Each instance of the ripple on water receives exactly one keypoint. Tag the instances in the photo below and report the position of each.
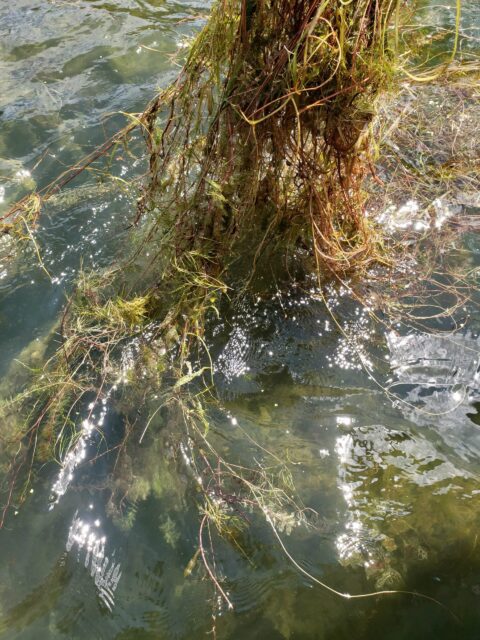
(88, 539)
(255, 586)
(437, 380)
(291, 335)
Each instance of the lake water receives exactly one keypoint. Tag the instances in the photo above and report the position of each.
(392, 475)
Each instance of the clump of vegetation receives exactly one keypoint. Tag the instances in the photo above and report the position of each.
(260, 146)
(268, 128)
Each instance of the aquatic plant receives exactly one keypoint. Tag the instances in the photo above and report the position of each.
(260, 146)
(274, 137)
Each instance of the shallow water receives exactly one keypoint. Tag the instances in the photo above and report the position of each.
(393, 476)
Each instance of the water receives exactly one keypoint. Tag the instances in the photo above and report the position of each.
(381, 426)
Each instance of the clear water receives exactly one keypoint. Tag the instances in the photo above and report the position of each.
(394, 481)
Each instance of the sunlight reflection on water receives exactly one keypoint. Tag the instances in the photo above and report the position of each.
(87, 537)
